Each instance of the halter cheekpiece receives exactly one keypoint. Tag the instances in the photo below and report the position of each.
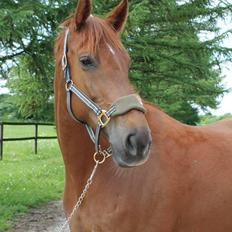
(121, 106)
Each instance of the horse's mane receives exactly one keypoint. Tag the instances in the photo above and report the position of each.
(91, 35)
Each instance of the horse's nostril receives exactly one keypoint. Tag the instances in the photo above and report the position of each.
(138, 144)
(131, 144)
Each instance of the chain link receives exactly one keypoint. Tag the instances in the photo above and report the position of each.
(80, 199)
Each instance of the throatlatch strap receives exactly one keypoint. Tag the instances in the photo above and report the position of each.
(69, 107)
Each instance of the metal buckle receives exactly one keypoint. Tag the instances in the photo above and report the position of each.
(101, 156)
(103, 118)
(68, 85)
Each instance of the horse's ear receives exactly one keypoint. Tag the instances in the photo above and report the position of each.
(117, 17)
(83, 11)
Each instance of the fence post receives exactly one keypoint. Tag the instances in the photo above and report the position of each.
(1, 140)
(36, 137)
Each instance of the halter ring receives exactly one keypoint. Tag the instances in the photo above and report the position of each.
(103, 118)
(99, 157)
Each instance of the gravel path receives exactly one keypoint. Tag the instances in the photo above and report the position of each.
(47, 218)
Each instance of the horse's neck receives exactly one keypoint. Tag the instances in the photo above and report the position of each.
(160, 123)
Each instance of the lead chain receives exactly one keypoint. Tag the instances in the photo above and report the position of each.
(81, 198)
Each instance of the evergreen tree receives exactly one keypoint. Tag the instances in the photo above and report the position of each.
(171, 65)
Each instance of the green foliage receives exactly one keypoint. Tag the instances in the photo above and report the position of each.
(209, 118)
(28, 180)
(7, 108)
(31, 92)
(171, 66)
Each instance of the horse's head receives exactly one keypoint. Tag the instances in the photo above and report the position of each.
(99, 67)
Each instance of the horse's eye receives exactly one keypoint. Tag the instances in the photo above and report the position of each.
(87, 62)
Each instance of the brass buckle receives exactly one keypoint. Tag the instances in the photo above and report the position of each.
(103, 119)
(68, 85)
(101, 156)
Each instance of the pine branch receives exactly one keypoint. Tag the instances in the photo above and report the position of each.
(11, 56)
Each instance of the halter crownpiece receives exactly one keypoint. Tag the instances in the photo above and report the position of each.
(121, 106)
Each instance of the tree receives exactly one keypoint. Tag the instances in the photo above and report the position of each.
(31, 92)
(171, 65)
(7, 109)
(28, 33)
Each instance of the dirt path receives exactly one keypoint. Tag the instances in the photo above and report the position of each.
(47, 218)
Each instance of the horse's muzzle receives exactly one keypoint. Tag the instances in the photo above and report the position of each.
(130, 146)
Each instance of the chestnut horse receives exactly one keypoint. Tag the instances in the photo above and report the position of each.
(186, 183)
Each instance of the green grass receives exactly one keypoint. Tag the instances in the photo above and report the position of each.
(18, 131)
(26, 179)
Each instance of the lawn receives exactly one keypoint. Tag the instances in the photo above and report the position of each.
(26, 179)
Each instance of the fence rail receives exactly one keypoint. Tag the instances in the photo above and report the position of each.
(35, 138)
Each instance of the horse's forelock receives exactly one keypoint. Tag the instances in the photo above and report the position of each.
(92, 34)
(98, 30)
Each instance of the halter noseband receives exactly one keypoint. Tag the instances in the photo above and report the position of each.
(121, 106)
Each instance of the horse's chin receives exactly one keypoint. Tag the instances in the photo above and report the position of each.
(119, 157)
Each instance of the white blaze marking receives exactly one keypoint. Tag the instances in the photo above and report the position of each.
(111, 49)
